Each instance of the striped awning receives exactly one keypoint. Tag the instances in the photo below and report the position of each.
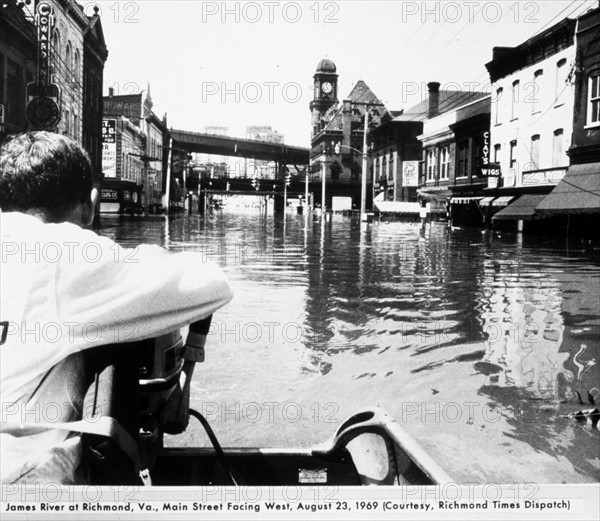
(486, 201)
(503, 201)
(464, 200)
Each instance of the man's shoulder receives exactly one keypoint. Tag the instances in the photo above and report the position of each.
(25, 227)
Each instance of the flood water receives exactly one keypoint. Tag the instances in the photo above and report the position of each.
(476, 342)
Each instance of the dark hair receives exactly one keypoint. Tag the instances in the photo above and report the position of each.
(45, 173)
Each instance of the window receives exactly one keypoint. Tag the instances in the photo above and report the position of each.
(463, 159)
(69, 58)
(431, 164)
(514, 113)
(513, 153)
(76, 65)
(497, 150)
(67, 131)
(561, 81)
(444, 163)
(558, 154)
(593, 112)
(1, 78)
(498, 101)
(535, 95)
(75, 126)
(535, 152)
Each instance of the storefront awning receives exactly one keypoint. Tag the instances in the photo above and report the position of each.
(503, 201)
(486, 201)
(523, 209)
(464, 200)
(577, 192)
(439, 194)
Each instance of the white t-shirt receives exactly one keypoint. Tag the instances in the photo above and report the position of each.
(64, 289)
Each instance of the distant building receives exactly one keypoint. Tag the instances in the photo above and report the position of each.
(532, 119)
(132, 159)
(338, 131)
(455, 146)
(95, 54)
(261, 168)
(76, 62)
(18, 51)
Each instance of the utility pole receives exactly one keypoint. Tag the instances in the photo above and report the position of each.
(323, 170)
(363, 181)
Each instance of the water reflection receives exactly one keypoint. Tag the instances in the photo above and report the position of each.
(398, 314)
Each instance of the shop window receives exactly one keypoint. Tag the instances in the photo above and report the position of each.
(593, 109)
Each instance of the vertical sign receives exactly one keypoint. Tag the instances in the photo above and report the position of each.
(44, 19)
(43, 98)
(109, 148)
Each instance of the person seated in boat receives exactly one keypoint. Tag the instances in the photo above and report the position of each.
(64, 289)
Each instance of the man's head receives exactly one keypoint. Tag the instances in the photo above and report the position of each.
(48, 175)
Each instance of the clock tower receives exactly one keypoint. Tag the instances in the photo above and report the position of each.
(325, 92)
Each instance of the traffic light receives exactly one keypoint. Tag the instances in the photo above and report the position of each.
(254, 182)
(257, 185)
(288, 178)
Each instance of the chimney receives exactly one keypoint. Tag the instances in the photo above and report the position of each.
(434, 99)
(111, 92)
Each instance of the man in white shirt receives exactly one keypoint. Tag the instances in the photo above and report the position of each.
(64, 289)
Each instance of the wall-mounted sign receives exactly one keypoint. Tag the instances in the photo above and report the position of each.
(109, 148)
(410, 173)
(44, 20)
(493, 182)
(111, 195)
(43, 98)
(491, 170)
(43, 113)
(510, 177)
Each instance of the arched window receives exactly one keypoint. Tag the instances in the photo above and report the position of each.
(76, 66)
(499, 92)
(69, 58)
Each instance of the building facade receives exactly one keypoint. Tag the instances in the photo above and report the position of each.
(95, 55)
(532, 119)
(454, 124)
(76, 57)
(575, 201)
(134, 143)
(18, 52)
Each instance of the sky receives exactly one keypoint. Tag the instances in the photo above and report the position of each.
(237, 64)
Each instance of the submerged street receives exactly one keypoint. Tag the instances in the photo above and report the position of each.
(476, 341)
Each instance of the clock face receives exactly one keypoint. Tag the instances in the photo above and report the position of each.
(327, 87)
